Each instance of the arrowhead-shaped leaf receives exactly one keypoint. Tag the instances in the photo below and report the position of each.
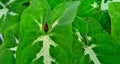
(44, 31)
(97, 47)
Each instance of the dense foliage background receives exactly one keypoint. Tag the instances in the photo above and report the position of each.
(59, 31)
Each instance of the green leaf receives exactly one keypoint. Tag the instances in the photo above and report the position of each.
(10, 36)
(9, 14)
(78, 24)
(9, 45)
(105, 3)
(88, 8)
(92, 8)
(6, 56)
(22, 1)
(54, 3)
(97, 47)
(104, 18)
(114, 12)
(43, 33)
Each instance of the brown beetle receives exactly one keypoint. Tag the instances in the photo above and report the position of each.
(45, 27)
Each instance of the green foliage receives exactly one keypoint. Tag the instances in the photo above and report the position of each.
(32, 29)
(114, 11)
(59, 32)
(98, 42)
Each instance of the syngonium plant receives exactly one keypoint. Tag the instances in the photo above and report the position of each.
(43, 39)
(59, 32)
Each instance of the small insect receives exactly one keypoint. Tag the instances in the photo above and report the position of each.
(46, 27)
